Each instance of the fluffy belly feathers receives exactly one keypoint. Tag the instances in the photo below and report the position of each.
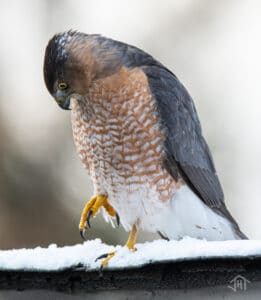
(183, 215)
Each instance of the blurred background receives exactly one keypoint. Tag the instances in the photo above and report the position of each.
(212, 46)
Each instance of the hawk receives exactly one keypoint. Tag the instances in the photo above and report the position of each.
(138, 134)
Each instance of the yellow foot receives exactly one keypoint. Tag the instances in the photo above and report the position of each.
(132, 238)
(130, 245)
(108, 257)
(91, 209)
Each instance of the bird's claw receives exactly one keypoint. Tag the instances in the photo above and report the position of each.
(82, 231)
(130, 244)
(88, 218)
(117, 219)
(91, 209)
(102, 256)
(106, 258)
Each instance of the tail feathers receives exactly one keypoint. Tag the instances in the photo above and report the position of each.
(224, 212)
(239, 233)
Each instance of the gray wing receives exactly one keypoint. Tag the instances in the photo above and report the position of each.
(187, 153)
(184, 141)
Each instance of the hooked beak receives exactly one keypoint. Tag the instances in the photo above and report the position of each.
(63, 99)
(65, 104)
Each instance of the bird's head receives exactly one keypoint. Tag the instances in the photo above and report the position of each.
(64, 72)
(73, 60)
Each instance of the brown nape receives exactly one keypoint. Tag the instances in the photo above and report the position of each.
(88, 61)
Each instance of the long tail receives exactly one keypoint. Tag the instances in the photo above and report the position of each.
(225, 213)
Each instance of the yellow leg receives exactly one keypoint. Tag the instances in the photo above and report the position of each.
(91, 209)
(132, 238)
(130, 244)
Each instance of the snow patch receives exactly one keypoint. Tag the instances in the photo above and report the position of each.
(58, 258)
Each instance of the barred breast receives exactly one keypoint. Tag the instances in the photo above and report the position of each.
(119, 140)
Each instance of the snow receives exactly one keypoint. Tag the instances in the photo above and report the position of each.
(84, 255)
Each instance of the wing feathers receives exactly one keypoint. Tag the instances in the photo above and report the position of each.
(184, 141)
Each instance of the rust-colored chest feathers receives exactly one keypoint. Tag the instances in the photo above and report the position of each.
(118, 138)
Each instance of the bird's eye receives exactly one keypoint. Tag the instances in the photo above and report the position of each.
(62, 86)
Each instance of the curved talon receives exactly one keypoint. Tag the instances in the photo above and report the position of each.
(82, 234)
(91, 208)
(88, 218)
(109, 256)
(106, 258)
(102, 256)
(130, 245)
(117, 220)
